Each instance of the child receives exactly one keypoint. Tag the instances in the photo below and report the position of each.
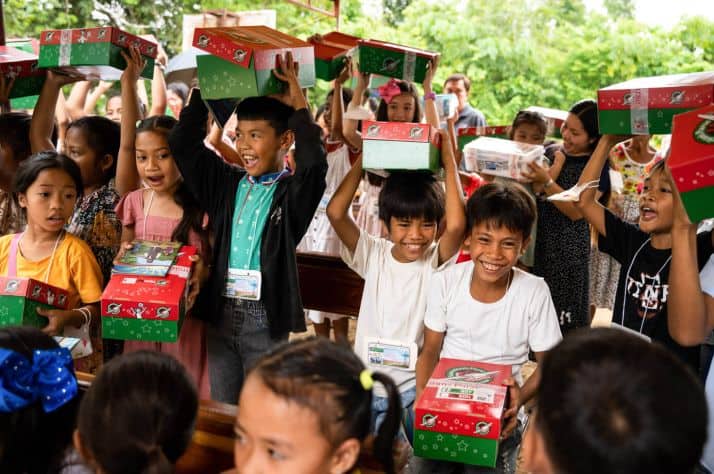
(36, 431)
(305, 407)
(258, 216)
(605, 406)
(397, 271)
(14, 148)
(47, 186)
(138, 415)
(644, 251)
(486, 310)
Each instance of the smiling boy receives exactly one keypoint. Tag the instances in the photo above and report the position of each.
(258, 216)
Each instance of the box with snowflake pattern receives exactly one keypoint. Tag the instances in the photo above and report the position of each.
(645, 106)
(400, 146)
(20, 297)
(146, 308)
(242, 59)
(691, 160)
(94, 52)
(458, 416)
(394, 60)
(466, 135)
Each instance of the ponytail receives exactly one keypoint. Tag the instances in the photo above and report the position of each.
(384, 442)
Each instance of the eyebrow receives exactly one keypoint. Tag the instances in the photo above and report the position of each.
(155, 149)
(273, 442)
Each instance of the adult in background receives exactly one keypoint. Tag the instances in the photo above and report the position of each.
(460, 85)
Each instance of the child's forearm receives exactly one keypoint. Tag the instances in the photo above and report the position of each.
(587, 204)
(340, 204)
(77, 98)
(43, 117)
(426, 363)
(158, 92)
(530, 388)
(127, 177)
(349, 126)
(453, 236)
(336, 113)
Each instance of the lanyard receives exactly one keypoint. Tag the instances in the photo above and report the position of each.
(12, 263)
(146, 212)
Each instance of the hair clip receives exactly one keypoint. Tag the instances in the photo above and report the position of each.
(573, 194)
(389, 90)
(365, 378)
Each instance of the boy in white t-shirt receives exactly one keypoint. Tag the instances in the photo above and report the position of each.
(487, 309)
(397, 271)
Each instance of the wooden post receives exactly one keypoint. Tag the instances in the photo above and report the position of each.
(2, 26)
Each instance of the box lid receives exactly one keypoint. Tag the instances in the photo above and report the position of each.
(334, 44)
(102, 34)
(691, 156)
(672, 91)
(483, 131)
(501, 146)
(17, 63)
(397, 47)
(34, 290)
(238, 44)
(400, 132)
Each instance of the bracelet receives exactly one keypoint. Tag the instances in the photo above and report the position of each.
(430, 96)
(549, 183)
(86, 314)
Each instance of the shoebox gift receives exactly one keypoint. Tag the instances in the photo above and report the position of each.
(466, 135)
(20, 297)
(459, 415)
(147, 308)
(393, 60)
(400, 146)
(242, 59)
(691, 160)
(331, 53)
(645, 106)
(94, 52)
(22, 67)
(499, 157)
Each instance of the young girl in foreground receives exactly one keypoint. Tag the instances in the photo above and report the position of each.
(305, 408)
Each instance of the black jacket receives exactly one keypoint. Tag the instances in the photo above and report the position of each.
(214, 184)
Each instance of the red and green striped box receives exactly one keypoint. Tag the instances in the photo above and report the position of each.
(94, 52)
(20, 297)
(394, 60)
(22, 66)
(242, 59)
(331, 54)
(691, 160)
(400, 146)
(645, 106)
(458, 416)
(464, 136)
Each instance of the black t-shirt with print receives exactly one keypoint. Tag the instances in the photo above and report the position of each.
(644, 290)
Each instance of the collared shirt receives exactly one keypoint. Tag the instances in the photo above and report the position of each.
(470, 117)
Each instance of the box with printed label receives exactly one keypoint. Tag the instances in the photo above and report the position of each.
(20, 297)
(691, 160)
(400, 146)
(458, 416)
(394, 60)
(464, 136)
(22, 67)
(147, 308)
(645, 106)
(499, 157)
(242, 59)
(94, 52)
(331, 53)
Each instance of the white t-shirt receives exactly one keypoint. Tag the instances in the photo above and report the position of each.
(706, 277)
(394, 299)
(499, 333)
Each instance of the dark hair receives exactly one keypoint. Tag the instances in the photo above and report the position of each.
(320, 111)
(406, 88)
(411, 194)
(324, 377)
(459, 77)
(347, 94)
(610, 402)
(192, 219)
(180, 89)
(30, 169)
(103, 137)
(528, 117)
(269, 109)
(501, 203)
(15, 133)
(139, 414)
(586, 111)
(32, 441)
(111, 94)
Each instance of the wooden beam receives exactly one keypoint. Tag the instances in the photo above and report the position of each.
(2, 26)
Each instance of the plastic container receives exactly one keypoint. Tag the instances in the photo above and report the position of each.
(498, 157)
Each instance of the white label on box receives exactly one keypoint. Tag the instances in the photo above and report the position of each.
(129, 281)
(461, 393)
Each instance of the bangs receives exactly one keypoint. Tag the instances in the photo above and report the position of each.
(411, 195)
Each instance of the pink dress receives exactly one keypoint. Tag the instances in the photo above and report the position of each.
(190, 349)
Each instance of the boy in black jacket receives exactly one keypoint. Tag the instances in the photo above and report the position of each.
(252, 297)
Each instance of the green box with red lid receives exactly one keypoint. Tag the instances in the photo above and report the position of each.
(394, 60)
(459, 415)
(20, 297)
(242, 59)
(400, 146)
(21, 66)
(331, 53)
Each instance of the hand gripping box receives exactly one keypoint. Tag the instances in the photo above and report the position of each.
(458, 417)
(242, 59)
(94, 52)
(499, 157)
(20, 297)
(400, 146)
(146, 308)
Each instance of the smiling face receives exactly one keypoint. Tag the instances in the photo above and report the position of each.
(494, 251)
(114, 108)
(49, 200)
(529, 133)
(411, 237)
(92, 167)
(656, 204)
(155, 163)
(576, 140)
(260, 147)
(401, 108)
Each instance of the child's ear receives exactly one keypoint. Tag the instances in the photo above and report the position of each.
(106, 162)
(345, 456)
(22, 199)
(467, 240)
(287, 139)
(525, 243)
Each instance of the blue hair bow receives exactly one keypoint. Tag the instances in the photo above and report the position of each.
(49, 378)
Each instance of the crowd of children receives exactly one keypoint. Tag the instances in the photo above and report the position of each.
(76, 189)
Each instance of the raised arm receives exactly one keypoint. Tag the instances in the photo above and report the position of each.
(430, 112)
(453, 236)
(158, 84)
(43, 114)
(75, 103)
(91, 103)
(349, 126)
(215, 138)
(337, 107)
(127, 177)
(6, 84)
(338, 210)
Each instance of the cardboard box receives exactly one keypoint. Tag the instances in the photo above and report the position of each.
(645, 106)
(555, 119)
(242, 59)
(458, 416)
(691, 160)
(331, 54)
(146, 308)
(394, 60)
(499, 157)
(94, 52)
(464, 136)
(22, 66)
(20, 297)
(400, 146)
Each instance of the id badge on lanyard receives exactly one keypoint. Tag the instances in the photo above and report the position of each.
(243, 284)
(391, 353)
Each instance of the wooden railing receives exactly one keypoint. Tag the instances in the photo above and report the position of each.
(327, 284)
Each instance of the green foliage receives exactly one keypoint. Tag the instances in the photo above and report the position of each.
(394, 10)
(620, 8)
